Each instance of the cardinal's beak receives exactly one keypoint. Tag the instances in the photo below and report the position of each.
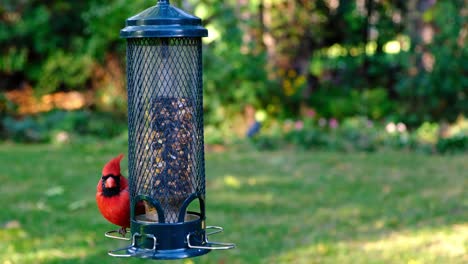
(110, 183)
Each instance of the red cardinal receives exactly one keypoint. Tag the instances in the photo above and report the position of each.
(112, 195)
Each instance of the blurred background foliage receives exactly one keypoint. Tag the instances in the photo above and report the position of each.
(327, 73)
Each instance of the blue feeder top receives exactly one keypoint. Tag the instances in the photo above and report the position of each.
(163, 21)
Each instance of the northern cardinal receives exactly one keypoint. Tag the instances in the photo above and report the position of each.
(112, 195)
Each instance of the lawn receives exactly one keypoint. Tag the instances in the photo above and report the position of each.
(278, 207)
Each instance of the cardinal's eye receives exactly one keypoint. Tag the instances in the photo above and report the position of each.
(105, 177)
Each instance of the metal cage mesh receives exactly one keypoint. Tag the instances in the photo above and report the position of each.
(166, 155)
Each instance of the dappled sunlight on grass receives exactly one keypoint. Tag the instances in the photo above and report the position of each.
(447, 242)
(335, 202)
(46, 255)
(434, 245)
(232, 181)
(278, 207)
(21, 247)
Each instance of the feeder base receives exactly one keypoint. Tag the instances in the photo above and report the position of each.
(179, 253)
(166, 254)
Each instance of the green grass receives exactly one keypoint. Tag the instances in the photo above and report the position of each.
(278, 207)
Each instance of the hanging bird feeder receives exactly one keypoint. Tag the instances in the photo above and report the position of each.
(166, 146)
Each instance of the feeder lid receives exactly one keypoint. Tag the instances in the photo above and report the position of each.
(161, 21)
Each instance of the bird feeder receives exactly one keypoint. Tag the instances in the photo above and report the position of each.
(166, 145)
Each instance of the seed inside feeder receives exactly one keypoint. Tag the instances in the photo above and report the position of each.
(172, 138)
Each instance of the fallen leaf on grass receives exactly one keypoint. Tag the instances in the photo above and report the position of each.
(78, 205)
(54, 191)
(12, 224)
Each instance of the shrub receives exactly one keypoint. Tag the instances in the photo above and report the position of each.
(46, 126)
(427, 133)
(23, 130)
(458, 143)
(455, 138)
(437, 92)
(341, 103)
(358, 133)
(361, 134)
(307, 138)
